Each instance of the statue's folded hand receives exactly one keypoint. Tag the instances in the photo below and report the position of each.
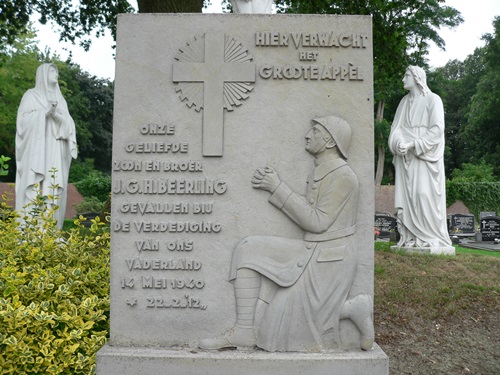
(265, 179)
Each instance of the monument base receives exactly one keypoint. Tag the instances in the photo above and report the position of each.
(152, 361)
(445, 250)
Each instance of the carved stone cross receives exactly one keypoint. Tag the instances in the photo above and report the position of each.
(213, 73)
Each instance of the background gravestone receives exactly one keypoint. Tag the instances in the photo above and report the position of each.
(486, 214)
(386, 224)
(490, 228)
(461, 224)
(201, 101)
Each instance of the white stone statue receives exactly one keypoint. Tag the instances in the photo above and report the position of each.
(252, 6)
(417, 143)
(292, 293)
(45, 141)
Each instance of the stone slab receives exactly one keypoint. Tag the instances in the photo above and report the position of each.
(201, 102)
(152, 361)
(448, 250)
(489, 246)
(178, 209)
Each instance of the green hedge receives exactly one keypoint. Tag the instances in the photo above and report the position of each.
(477, 196)
(54, 296)
(95, 185)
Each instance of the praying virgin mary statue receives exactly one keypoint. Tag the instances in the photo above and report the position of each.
(45, 144)
(417, 143)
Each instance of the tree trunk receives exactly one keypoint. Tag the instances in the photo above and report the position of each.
(380, 165)
(170, 6)
(379, 174)
(380, 110)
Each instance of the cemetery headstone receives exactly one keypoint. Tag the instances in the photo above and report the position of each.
(486, 214)
(386, 224)
(490, 228)
(204, 104)
(459, 224)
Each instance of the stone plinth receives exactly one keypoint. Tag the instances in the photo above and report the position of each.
(152, 361)
(447, 250)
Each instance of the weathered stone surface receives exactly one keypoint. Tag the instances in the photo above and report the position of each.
(187, 142)
(152, 361)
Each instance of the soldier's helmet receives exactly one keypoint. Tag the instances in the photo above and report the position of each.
(339, 129)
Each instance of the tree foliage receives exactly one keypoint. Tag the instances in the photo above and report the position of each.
(481, 136)
(382, 158)
(471, 96)
(96, 185)
(474, 173)
(80, 19)
(170, 6)
(456, 84)
(90, 101)
(76, 20)
(17, 74)
(4, 165)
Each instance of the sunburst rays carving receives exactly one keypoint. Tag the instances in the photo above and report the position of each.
(234, 92)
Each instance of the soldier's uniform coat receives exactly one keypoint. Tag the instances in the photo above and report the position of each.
(314, 274)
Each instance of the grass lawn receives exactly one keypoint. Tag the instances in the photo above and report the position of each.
(438, 314)
(465, 250)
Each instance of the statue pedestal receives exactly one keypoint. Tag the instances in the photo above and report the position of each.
(113, 360)
(445, 250)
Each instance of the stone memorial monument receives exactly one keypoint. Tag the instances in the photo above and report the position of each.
(226, 111)
(417, 143)
(45, 144)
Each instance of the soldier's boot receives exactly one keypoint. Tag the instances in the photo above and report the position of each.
(242, 335)
(359, 310)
